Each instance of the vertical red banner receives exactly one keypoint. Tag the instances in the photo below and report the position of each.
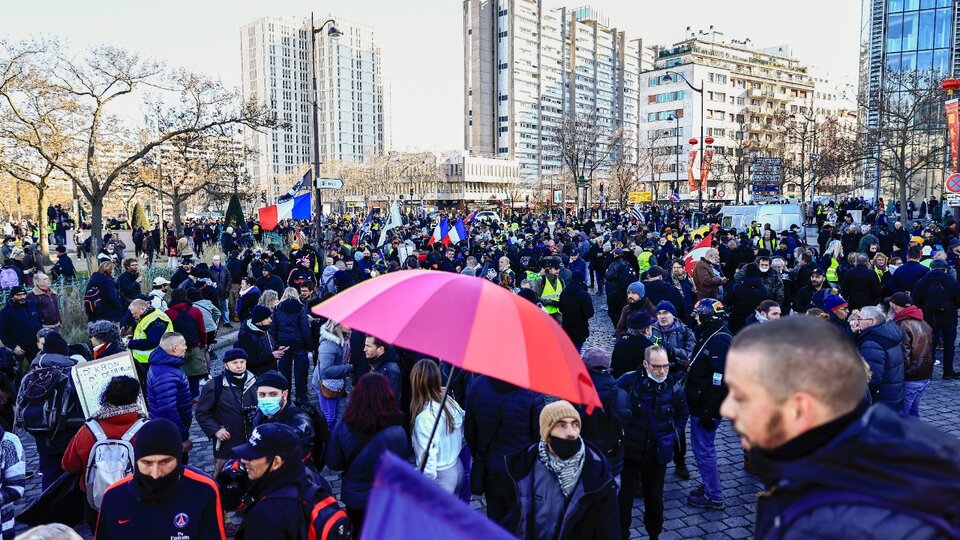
(690, 179)
(705, 167)
(953, 132)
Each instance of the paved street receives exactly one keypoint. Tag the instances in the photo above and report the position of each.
(681, 521)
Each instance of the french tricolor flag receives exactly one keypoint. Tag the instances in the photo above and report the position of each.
(456, 234)
(440, 233)
(296, 208)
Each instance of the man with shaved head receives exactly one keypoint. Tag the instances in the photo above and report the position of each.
(833, 466)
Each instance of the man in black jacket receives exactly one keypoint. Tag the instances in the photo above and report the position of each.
(840, 469)
(501, 419)
(619, 276)
(382, 359)
(705, 391)
(279, 481)
(628, 353)
(658, 405)
(804, 299)
(254, 338)
(128, 283)
(657, 290)
(938, 295)
(273, 404)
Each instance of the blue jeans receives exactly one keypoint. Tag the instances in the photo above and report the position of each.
(705, 451)
(224, 311)
(912, 394)
(329, 406)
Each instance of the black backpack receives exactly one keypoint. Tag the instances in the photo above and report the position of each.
(185, 325)
(93, 302)
(603, 428)
(937, 299)
(44, 400)
(321, 434)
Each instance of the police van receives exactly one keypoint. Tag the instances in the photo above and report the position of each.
(779, 216)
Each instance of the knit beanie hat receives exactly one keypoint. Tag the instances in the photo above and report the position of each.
(832, 302)
(665, 305)
(235, 354)
(55, 344)
(159, 437)
(637, 287)
(260, 314)
(273, 379)
(553, 413)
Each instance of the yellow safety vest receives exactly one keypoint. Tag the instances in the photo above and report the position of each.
(644, 261)
(761, 244)
(832, 271)
(140, 332)
(551, 293)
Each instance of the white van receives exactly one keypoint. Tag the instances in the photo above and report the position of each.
(779, 216)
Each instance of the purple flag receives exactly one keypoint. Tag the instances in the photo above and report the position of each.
(403, 500)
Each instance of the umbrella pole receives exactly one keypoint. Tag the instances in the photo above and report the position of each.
(443, 401)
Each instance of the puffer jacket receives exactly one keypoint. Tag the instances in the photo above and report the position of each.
(879, 346)
(330, 364)
(228, 412)
(902, 467)
(678, 340)
(917, 353)
(591, 513)
(663, 402)
(291, 326)
(259, 346)
(168, 393)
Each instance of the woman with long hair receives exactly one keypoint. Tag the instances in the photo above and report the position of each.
(333, 368)
(269, 299)
(443, 458)
(372, 424)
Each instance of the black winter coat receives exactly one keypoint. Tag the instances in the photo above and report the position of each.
(628, 354)
(500, 419)
(19, 324)
(259, 347)
(113, 307)
(743, 300)
(591, 513)
(228, 412)
(705, 389)
(861, 287)
(880, 347)
(921, 297)
(576, 306)
(658, 290)
(668, 406)
(291, 326)
(596, 429)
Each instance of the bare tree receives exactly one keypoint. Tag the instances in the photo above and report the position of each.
(654, 154)
(86, 91)
(910, 138)
(586, 145)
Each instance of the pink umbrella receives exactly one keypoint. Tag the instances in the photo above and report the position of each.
(470, 323)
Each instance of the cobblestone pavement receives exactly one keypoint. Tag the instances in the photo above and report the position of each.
(940, 408)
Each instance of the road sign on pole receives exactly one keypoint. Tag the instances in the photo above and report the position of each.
(953, 183)
(329, 183)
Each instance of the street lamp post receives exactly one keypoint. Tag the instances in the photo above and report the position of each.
(318, 213)
(669, 78)
(676, 151)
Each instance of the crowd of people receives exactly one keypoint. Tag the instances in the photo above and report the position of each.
(813, 350)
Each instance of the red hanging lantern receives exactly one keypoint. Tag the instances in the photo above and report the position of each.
(708, 140)
(950, 85)
(693, 141)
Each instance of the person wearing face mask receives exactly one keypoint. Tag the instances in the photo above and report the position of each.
(658, 407)
(163, 498)
(562, 484)
(279, 485)
(273, 405)
(770, 279)
(222, 412)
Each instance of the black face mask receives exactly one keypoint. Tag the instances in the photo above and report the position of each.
(155, 490)
(564, 448)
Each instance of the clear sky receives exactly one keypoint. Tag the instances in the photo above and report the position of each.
(422, 40)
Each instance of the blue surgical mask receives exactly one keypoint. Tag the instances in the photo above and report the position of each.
(658, 380)
(269, 405)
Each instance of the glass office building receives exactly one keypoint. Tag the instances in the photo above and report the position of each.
(904, 35)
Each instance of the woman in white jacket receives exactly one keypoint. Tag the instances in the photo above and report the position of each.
(443, 459)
